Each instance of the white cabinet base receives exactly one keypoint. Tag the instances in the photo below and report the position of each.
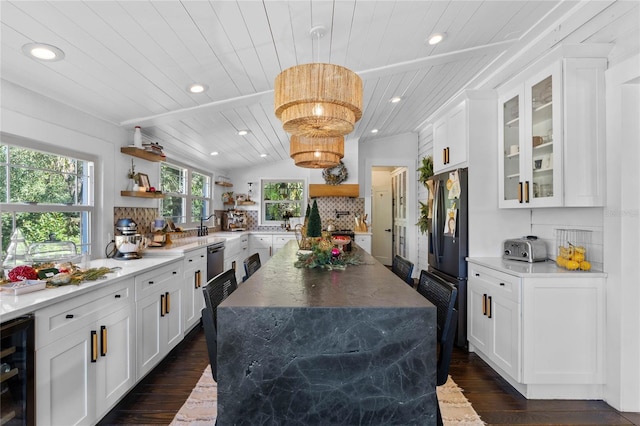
(547, 391)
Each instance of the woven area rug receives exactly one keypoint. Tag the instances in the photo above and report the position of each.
(200, 409)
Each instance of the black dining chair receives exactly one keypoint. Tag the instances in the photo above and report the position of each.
(251, 265)
(443, 295)
(402, 268)
(217, 289)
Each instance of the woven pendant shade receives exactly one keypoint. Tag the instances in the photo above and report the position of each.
(318, 100)
(316, 153)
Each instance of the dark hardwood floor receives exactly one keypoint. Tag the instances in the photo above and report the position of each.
(157, 398)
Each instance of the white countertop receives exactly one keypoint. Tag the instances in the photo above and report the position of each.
(547, 269)
(14, 306)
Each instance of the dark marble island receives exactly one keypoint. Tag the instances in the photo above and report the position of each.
(317, 347)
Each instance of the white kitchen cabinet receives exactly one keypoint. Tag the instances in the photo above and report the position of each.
(159, 325)
(544, 333)
(551, 136)
(84, 355)
(364, 242)
(195, 277)
(261, 244)
(280, 240)
(563, 330)
(494, 317)
(456, 125)
(449, 139)
(235, 251)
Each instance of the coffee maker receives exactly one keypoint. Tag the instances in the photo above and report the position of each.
(234, 220)
(128, 243)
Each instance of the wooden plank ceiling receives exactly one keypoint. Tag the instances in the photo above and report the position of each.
(130, 62)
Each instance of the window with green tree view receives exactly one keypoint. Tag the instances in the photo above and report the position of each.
(187, 194)
(45, 194)
(281, 198)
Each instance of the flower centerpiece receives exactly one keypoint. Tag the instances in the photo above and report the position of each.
(325, 254)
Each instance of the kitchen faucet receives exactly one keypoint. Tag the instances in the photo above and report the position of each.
(204, 230)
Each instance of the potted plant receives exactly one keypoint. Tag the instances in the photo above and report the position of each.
(424, 223)
(426, 170)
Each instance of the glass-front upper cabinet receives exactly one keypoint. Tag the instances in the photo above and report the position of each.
(530, 136)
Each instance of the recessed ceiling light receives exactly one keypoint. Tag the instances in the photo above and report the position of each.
(214, 153)
(395, 99)
(374, 130)
(43, 52)
(197, 88)
(436, 38)
(263, 155)
(243, 132)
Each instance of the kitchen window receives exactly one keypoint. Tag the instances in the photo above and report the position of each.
(281, 199)
(187, 194)
(45, 194)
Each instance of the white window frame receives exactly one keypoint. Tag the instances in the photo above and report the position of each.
(263, 204)
(89, 207)
(188, 197)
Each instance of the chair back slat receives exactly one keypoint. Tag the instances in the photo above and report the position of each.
(403, 268)
(251, 265)
(211, 337)
(219, 288)
(443, 295)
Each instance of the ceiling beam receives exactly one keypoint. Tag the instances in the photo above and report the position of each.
(400, 67)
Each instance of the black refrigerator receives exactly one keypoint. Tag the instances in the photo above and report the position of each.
(448, 238)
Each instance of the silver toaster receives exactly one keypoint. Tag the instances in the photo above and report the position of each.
(528, 249)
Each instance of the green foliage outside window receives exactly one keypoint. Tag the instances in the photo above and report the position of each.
(282, 198)
(34, 186)
(187, 195)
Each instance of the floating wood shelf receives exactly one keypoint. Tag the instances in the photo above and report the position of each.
(141, 194)
(141, 153)
(342, 190)
(241, 203)
(221, 183)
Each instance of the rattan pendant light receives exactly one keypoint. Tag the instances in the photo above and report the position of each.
(316, 153)
(318, 99)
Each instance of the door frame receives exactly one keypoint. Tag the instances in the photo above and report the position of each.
(412, 196)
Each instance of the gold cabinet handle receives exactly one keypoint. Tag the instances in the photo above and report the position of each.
(197, 279)
(103, 338)
(526, 191)
(520, 192)
(444, 155)
(484, 304)
(167, 297)
(94, 346)
(163, 306)
(447, 155)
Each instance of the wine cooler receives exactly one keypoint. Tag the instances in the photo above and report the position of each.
(17, 376)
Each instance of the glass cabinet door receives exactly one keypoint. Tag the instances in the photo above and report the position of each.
(511, 132)
(542, 140)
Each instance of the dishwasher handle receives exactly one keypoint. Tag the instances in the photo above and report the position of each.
(214, 249)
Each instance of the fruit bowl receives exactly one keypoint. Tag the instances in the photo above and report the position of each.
(340, 240)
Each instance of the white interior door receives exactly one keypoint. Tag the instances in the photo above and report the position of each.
(382, 222)
(399, 211)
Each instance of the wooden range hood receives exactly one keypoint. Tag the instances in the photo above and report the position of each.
(342, 190)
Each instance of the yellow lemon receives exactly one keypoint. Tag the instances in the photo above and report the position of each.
(561, 261)
(585, 266)
(578, 257)
(572, 265)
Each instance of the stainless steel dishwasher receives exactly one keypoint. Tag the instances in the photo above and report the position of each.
(215, 259)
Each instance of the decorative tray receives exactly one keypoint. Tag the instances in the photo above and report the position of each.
(21, 287)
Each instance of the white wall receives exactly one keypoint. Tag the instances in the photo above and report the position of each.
(399, 150)
(29, 115)
(621, 235)
(425, 149)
